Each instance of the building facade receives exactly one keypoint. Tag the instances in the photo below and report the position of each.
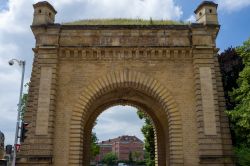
(105, 147)
(122, 147)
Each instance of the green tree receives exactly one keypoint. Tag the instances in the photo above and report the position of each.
(149, 142)
(136, 155)
(230, 65)
(109, 159)
(243, 156)
(240, 115)
(24, 101)
(151, 21)
(95, 148)
(130, 158)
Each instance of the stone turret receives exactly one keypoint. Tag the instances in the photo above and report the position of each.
(44, 13)
(206, 13)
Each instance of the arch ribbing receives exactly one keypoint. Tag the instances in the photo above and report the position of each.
(126, 79)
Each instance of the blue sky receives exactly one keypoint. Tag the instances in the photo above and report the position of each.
(16, 41)
(3, 5)
(234, 20)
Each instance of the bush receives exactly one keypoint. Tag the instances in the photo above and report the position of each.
(109, 158)
(242, 156)
(140, 163)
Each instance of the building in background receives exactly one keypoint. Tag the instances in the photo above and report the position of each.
(1, 145)
(105, 147)
(123, 147)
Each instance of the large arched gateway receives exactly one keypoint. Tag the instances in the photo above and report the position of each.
(169, 71)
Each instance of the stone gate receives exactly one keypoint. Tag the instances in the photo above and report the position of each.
(169, 71)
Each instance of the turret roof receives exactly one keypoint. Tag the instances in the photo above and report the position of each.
(44, 3)
(205, 3)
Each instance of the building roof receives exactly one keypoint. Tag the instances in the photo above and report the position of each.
(123, 138)
(129, 138)
(205, 3)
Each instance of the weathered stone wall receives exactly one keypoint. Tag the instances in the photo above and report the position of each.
(77, 74)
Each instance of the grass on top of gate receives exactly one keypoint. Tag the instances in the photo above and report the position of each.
(123, 21)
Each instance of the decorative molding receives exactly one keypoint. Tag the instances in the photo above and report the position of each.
(125, 54)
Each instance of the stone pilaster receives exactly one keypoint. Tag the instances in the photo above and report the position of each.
(207, 107)
(38, 146)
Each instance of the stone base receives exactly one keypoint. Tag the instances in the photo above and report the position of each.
(217, 160)
(34, 160)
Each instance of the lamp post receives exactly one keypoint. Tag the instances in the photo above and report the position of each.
(21, 64)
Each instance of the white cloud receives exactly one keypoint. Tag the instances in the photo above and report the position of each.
(85, 9)
(16, 38)
(233, 5)
(191, 19)
(14, 19)
(117, 121)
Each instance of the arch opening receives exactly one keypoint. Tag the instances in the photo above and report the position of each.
(118, 130)
(139, 100)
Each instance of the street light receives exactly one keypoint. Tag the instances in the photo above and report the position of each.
(21, 64)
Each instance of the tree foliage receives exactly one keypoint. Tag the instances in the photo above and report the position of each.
(136, 155)
(230, 65)
(109, 158)
(149, 142)
(242, 155)
(24, 102)
(240, 115)
(95, 148)
(130, 158)
(235, 68)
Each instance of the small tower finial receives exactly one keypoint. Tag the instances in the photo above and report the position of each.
(44, 13)
(206, 13)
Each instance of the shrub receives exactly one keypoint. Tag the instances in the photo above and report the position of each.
(242, 156)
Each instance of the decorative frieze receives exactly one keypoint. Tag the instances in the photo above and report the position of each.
(125, 54)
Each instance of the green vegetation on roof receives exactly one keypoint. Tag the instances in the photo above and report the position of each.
(122, 21)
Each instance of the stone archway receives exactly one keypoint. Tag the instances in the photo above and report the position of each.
(110, 88)
(78, 70)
